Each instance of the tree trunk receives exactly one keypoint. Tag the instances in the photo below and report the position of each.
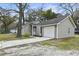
(19, 28)
(23, 18)
(5, 29)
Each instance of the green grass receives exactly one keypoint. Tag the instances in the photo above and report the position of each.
(6, 37)
(67, 44)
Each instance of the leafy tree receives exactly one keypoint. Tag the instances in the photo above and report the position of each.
(48, 14)
(41, 15)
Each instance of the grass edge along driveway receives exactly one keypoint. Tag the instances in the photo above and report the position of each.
(66, 44)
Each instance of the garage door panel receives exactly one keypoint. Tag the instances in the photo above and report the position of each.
(49, 31)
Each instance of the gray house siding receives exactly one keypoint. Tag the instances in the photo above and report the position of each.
(65, 29)
(26, 29)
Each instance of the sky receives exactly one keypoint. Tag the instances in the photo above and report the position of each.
(54, 6)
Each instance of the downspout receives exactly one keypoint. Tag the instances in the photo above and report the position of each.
(55, 32)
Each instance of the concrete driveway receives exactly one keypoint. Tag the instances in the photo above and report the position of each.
(36, 49)
(6, 44)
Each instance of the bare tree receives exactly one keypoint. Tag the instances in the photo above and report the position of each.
(21, 10)
(20, 21)
(21, 7)
(6, 19)
(69, 8)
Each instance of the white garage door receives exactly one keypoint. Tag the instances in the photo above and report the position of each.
(49, 31)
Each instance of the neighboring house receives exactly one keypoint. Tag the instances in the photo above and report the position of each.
(60, 27)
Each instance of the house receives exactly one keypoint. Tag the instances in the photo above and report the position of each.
(60, 27)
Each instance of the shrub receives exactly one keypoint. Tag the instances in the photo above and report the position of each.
(26, 35)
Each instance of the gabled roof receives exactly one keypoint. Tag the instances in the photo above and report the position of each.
(53, 21)
(56, 21)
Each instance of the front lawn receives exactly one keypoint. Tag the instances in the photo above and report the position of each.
(68, 43)
(6, 37)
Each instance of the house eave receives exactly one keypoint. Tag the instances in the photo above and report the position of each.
(45, 24)
(69, 19)
(48, 25)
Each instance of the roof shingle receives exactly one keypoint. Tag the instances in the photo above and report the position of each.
(53, 21)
